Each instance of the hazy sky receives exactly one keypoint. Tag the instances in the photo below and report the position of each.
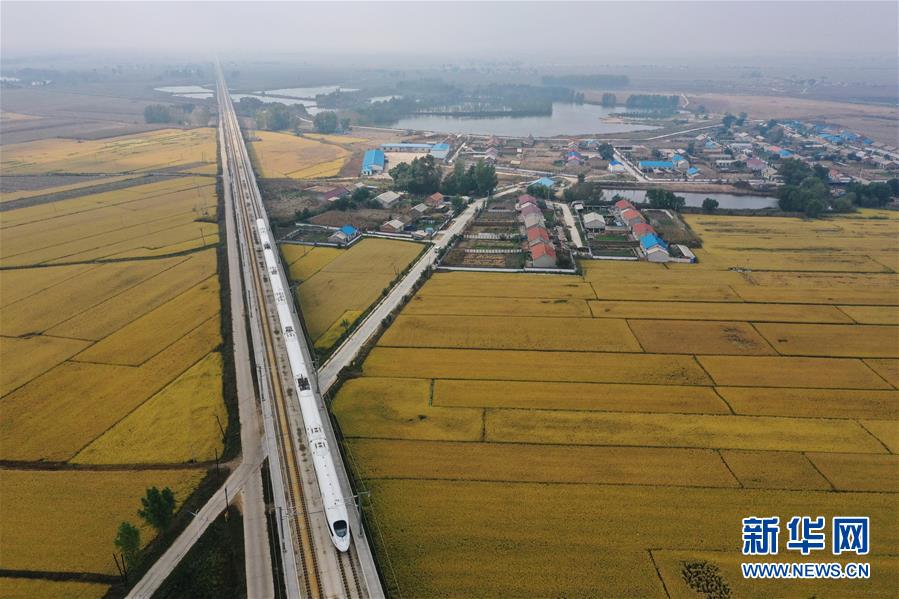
(487, 30)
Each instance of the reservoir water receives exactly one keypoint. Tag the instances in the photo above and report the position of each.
(725, 200)
(566, 119)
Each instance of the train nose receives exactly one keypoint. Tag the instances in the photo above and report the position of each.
(341, 535)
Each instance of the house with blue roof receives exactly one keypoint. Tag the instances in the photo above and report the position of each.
(655, 248)
(373, 162)
(651, 165)
(785, 154)
(344, 235)
(616, 167)
(545, 182)
(440, 151)
(692, 172)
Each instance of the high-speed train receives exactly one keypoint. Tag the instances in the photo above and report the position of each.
(325, 472)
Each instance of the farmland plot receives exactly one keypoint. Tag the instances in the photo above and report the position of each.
(109, 350)
(491, 422)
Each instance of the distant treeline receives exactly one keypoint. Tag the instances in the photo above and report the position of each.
(652, 101)
(596, 80)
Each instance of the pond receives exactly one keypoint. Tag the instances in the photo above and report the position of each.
(308, 92)
(725, 200)
(184, 89)
(566, 119)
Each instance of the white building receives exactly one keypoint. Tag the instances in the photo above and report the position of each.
(594, 222)
(388, 198)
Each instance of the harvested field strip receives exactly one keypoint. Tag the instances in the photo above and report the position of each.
(152, 332)
(674, 293)
(284, 155)
(109, 184)
(774, 470)
(43, 311)
(872, 314)
(398, 408)
(670, 564)
(50, 184)
(114, 313)
(25, 358)
(532, 463)
(679, 430)
(698, 337)
(30, 588)
(535, 366)
(887, 369)
(188, 409)
(435, 305)
(325, 169)
(125, 203)
(782, 371)
(812, 403)
(858, 472)
(825, 281)
(509, 332)
(790, 295)
(383, 256)
(457, 544)
(790, 261)
(58, 413)
(718, 311)
(66, 520)
(507, 285)
(578, 396)
(833, 340)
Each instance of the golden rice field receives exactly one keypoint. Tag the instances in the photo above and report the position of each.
(16, 195)
(25, 588)
(110, 342)
(75, 514)
(283, 155)
(339, 284)
(146, 220)
(148, 151)
(639, 409)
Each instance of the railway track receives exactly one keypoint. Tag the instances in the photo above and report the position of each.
(299, 518)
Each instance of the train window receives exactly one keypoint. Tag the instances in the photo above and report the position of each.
(340, 528)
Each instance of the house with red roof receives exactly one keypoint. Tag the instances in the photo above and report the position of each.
(538, 234)
(623, 205)
(543, 255)
(641, 229)
(524, 200)
(631, 217)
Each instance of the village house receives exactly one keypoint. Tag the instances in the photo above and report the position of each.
(388, 198)
(393, 226)
(344, 235)
(594, 222)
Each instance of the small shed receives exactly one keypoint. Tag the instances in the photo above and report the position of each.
(388, 198)
(393, 226)
(594, 222)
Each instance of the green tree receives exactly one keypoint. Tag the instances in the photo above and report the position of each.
(794, 171)
(485, 179)
(814, 208)
(606, 151)
(709, 205)
(420, 176)
(157, 113)
(609, 100)
(127, 541)
(325, 122)
(728, 120)
(158, 508)
(344, 124)
(662, 198)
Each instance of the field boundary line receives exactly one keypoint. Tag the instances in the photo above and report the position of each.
(874, 370)
(768, 341)
(658, 572)
(729, 469)
(61, 576)
(818, 470)
(865, 428)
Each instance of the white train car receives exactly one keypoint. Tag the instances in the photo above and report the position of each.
(325, 472)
